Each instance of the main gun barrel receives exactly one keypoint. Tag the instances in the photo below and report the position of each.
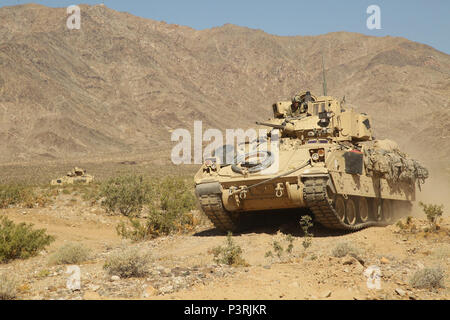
(275, 126)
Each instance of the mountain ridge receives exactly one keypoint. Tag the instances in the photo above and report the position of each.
(122, 83)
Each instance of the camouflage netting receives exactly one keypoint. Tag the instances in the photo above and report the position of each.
(387, 161)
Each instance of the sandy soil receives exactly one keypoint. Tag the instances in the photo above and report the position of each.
(182, 266)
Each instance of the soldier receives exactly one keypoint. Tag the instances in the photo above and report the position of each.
(300, 104)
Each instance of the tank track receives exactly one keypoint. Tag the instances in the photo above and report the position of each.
(211, 205)
(316, 197)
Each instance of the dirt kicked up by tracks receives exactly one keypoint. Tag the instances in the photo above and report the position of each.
(182, 266)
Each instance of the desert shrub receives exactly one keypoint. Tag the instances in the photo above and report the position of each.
(125, 194)
(442, 252)
(433, 213)
(90, 191)
(70, 253)
(428, 278)
(8, 286)
(12, 195)
(230, 253)
(169, 204)
(344, 248)
(127, 263)
(306, 224)
(20, 241)
(278, 248)
(134, 230)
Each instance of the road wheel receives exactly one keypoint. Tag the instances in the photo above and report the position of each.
(350, 211)
(388, 213)
(377, 209)
(363, 208)
(340, 207)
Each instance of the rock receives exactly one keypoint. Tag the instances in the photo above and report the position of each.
(267, 267)
(51, 288)
(359, 268)
(348, 260)
(94, 287)
(91, 295)
(115, 278)
(166, 289)
(149, 291)
(384, 260)
(178, 280)
(400, 292)
(327, 294)
(167, 271)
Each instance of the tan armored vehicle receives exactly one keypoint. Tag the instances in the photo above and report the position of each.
(326, 160)
(77, 175)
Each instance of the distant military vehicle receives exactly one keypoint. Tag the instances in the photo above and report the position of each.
(329, 162)
(77, 175)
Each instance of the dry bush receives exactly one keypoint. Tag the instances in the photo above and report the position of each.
(8, 287)
(13, 195)
(127, 263)
(20, 241)
(23, 195)
(428, 278)
(71, 253)
(343, 249)
(230, 253)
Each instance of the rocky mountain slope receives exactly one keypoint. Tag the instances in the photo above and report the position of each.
(122, 83)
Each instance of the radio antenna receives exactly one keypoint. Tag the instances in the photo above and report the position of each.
(324, 78)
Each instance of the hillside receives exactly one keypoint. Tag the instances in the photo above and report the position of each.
(121, 83)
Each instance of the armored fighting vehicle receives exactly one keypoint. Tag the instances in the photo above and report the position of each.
(319, 155)
(76, 175)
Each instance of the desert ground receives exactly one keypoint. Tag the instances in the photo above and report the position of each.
(182, 266)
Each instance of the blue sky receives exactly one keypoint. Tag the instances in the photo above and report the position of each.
(418, 20)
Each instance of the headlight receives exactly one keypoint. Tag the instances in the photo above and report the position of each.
(317, 154)
(321, 152)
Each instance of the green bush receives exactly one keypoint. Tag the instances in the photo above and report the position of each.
(125, 194)
(169, 204)
(230, 254)
(278, 248)
(428, 278)
(71, 253)
(7, 288)
(20, 241)
(127, 263)
(433, 213)
(12, 195)
(306, 224)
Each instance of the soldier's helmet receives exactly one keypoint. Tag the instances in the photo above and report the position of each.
(297, 98)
